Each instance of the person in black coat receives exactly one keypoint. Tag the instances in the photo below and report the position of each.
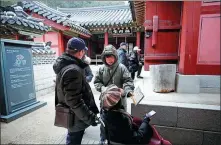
(133, 63)
(120, 125)
(73, 91)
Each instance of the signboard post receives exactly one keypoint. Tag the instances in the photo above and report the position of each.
(17, 89)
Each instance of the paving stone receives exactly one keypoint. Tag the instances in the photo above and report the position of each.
(179, 136)
(211, 138)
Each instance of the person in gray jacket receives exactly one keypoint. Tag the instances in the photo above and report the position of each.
(121, 77)
(113, 72)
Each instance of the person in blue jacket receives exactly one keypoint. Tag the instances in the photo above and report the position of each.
(122, 54)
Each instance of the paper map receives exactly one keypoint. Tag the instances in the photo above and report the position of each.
(138, 95)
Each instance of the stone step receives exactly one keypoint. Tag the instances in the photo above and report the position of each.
(182, 136)
(183, 123)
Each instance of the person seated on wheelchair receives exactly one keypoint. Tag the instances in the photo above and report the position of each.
(120, 126)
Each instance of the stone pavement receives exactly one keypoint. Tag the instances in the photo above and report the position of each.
(37, 127)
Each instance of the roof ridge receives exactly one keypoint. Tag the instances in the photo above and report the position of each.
(113, 7)
(43, 5)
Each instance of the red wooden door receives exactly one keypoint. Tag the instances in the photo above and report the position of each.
(208, 52)
(162, 24)
(200, 38)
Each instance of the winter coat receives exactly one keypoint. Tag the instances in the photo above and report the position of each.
(123, 57)
(133, 61)
(121, 77)
(72, 90)
(123, 130)
(88, 74)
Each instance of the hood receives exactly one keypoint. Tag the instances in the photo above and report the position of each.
(109, 50)
(67, 59)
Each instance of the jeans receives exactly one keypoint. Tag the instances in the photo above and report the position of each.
(102, 129)
(74, 138)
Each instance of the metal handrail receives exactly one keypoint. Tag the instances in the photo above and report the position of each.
(96, 57)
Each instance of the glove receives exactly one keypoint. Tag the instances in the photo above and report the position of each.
(146, 119)
(96, 121)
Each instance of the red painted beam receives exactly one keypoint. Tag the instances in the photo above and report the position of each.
(52, 23)
(161, 57)
(164, 27)
(85, 36)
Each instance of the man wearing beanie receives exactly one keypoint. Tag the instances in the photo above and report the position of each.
(72, 90)
(121, 126)
(113, 72)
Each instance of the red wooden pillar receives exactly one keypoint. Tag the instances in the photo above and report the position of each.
(43, 37)
(60, 43)
(16, 37)
(106, 38)
(189, 35)
(89, 48)
(138, 39)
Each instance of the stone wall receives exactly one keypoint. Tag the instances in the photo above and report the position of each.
(44, 79)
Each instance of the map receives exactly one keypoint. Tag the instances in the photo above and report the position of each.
(137, 96)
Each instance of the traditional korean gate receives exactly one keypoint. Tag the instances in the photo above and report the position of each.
(162, 30)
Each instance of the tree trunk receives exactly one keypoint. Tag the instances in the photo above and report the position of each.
(163, 77)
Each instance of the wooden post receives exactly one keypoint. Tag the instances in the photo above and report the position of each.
(60, 43)
(89, 48)
(138, 39)
(16, 37)
(106, 38)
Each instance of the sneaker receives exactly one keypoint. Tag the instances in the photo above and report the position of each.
(140, 77)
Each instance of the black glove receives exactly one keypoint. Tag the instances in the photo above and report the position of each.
(96, 121)
(146, 119)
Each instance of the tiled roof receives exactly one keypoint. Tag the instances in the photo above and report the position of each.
(41, 48)
(17, 19)
(103, 16)
(54, 15)
(138, 11)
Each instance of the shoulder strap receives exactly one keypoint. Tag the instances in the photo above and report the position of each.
(111, 76)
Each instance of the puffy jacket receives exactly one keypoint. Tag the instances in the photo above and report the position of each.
(72, 90)
(121, 77)
(123, 57)
(122, 129)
